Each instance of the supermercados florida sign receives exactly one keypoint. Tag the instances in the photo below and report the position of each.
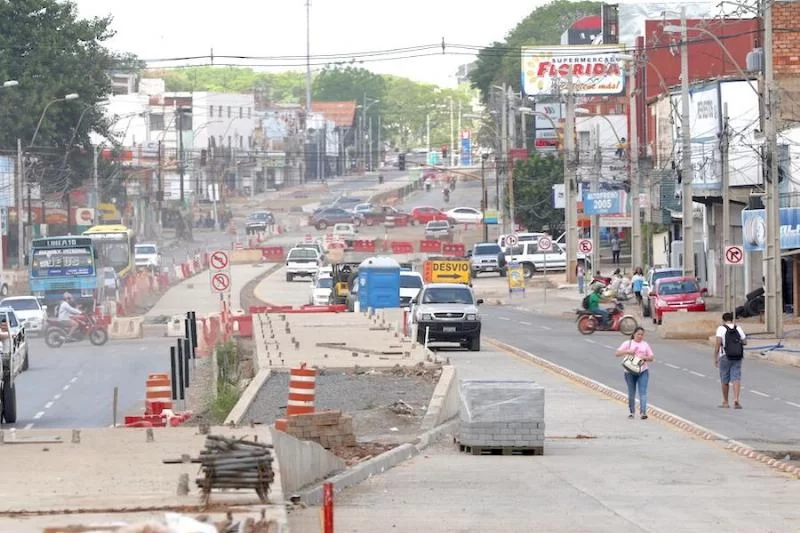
(596, 70)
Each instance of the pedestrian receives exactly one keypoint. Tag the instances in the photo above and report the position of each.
(640, 348)
(728, 356)
(615, 249)
(637, 282)
(581, 275)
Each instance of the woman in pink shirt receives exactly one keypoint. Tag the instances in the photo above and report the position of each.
(639, 347)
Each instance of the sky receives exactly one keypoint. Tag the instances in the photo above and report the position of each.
(180, 28)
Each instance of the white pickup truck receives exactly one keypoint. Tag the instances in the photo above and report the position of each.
(14, 361)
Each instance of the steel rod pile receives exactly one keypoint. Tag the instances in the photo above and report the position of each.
(235, 464)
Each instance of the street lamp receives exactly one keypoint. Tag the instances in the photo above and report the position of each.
(362, 136)
(66, 98)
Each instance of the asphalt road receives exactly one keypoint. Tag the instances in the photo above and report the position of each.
(73, 386)
(683, 379)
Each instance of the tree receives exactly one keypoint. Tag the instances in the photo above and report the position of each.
(533, 192)
(282, 87)
(51, 53)
(501, 62)
(347, 84)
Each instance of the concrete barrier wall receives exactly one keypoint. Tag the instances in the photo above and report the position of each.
(444, 403)
(246, 257)
(302, 463)
(126, 328)
(699, 325)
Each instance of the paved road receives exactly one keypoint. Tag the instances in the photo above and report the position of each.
(72, 387)
(684, 380)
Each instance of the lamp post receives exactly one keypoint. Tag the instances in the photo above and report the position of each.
(66, 98)
(484, 197)
(362, 140)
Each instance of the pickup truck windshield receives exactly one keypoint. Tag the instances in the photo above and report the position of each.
(410, 282)
(449, 295)
(302, 253)
(486, 249)
(146, 250)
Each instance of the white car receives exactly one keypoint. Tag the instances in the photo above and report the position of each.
(17, 331)
(147, 256)
(302, 262)
(30, 313)
(344, 232)
(321, 291)
(410, 285)
(465, 215)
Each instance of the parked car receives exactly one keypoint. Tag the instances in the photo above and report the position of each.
(258, 222)
(147, 256)
(16, 330)
(483, 258)
(438, 229)
(425, 214)
(321, 290)
(465, 215)
(676, 294)
(333, 215)
(410, 285)
(385, 213)
(532, 260)
(31, 314)
(363, 208)
(521, 237)
(653, 276)
(302, 262)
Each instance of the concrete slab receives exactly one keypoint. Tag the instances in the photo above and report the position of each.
(110, 470)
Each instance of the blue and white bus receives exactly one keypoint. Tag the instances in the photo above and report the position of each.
(64, 264)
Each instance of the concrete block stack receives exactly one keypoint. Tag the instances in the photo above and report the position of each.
(501, 417)
(328, 428)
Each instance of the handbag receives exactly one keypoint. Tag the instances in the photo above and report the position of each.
(632, 363)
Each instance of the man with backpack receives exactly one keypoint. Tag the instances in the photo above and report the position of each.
(728, 356)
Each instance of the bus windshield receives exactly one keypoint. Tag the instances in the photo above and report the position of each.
(113, 250)
(62, 262)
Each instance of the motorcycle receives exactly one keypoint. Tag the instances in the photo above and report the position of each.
(446, 195)
(452, 184)
(427, 186)
(56, 331)
(589, 322)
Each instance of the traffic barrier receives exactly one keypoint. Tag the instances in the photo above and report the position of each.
(452, 249)
(430, 247)
(273, 254)
(363, 245)
(126, 328)
(302, 389)
(260, 309)
(402, 247)
(185, 271)
(243, 326)
(145, 421)
(176, 327)
(158, 394)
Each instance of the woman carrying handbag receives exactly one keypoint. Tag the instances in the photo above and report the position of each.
(636, 353)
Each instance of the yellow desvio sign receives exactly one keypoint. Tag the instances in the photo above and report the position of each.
(446, 271)
(516, 277)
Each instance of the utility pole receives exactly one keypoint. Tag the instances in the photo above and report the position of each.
(380, 151)
(160, 194)
(484, 197)
(595, 219)
(95, 185)
(308, 58)
(686, 165)
(504, 154)
(728, 296)
(362, 139)
(772, 256)
(179, 132)
(452, 136)
(636, 212)
(20, 205)
(428, 132)
(513, 140)
(369, 142)
(460, 156)
(571, 202)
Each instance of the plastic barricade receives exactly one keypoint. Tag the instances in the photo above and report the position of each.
(402, 247)
(430, 247)
(272, 254)
(453, 249)
(242, 325)
(363, 245)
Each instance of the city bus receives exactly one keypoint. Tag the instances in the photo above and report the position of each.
(115, 246)
(63, 264)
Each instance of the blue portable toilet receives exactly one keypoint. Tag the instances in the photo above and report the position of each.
(378, 283)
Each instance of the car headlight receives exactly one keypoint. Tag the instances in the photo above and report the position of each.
(700, 301)
(661, 303)
(426, 316)
(472, 316)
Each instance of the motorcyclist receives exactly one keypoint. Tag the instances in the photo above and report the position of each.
(66, 312)
(446, 194)
(593, 306)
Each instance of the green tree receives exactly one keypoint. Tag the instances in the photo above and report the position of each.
(346, 84)
(533, 193)
(501, 62)
(282, 87)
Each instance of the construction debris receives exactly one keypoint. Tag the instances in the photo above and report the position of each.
(399, 407)
(235, 464)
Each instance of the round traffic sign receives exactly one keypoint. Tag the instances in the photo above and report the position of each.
(545, 244)
(219, 260)
(220, 282)
(734, 255)
(585, 246)
(512, 240)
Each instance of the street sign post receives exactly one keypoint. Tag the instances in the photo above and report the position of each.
(545, 245)
(221, 283)
(219, 272)
(512, 240)
(219, 261)
(446, 271)
(585, 246)
(734, 256)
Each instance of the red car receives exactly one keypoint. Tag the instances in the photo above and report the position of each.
(379, 215)
(676, 294)
(423, 215)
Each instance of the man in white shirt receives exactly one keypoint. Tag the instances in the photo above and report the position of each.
(66, 312)
(730, 365)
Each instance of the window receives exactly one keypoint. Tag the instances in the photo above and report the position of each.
(184, 121)
(156, 122)
(229, 111)
(241, 112)
(22, 304)
(249, 112)
(211, 111)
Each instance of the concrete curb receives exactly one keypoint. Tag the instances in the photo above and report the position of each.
(436, 403)
(656, 412)
(248, 396)
(377, 465)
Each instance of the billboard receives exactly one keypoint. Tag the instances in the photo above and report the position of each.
(604, 202)
(754, 229)
(596, 70)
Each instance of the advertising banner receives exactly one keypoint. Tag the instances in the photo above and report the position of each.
(596, 70)
(466, 148)
(516, 277)
(754, 229)
(603, 202)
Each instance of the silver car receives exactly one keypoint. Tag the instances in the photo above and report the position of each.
(484, 259)
(447, 312)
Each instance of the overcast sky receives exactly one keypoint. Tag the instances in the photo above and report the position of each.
(179, 28)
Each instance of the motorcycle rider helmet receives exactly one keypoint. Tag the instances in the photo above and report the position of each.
(67, 296)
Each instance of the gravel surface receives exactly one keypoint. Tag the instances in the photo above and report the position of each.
(367, 396)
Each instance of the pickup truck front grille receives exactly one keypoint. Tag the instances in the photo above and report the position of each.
(448, 315)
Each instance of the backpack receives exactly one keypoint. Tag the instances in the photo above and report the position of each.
(585, 302)
(732, 344)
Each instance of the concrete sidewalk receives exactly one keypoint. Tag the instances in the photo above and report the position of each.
(600, 472)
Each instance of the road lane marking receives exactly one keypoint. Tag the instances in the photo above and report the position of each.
(29, 426)
(38, 415)
(590, 341)
(609, 347)
(793, 404)
(65, 387)
(57, 396)
(525, 323)
(503, 318)
(759, 393)
(73, 380)
(676, 367)
(48, 405)
(698, 374)
(546, 327)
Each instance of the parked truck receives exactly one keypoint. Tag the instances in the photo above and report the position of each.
(13, 362)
